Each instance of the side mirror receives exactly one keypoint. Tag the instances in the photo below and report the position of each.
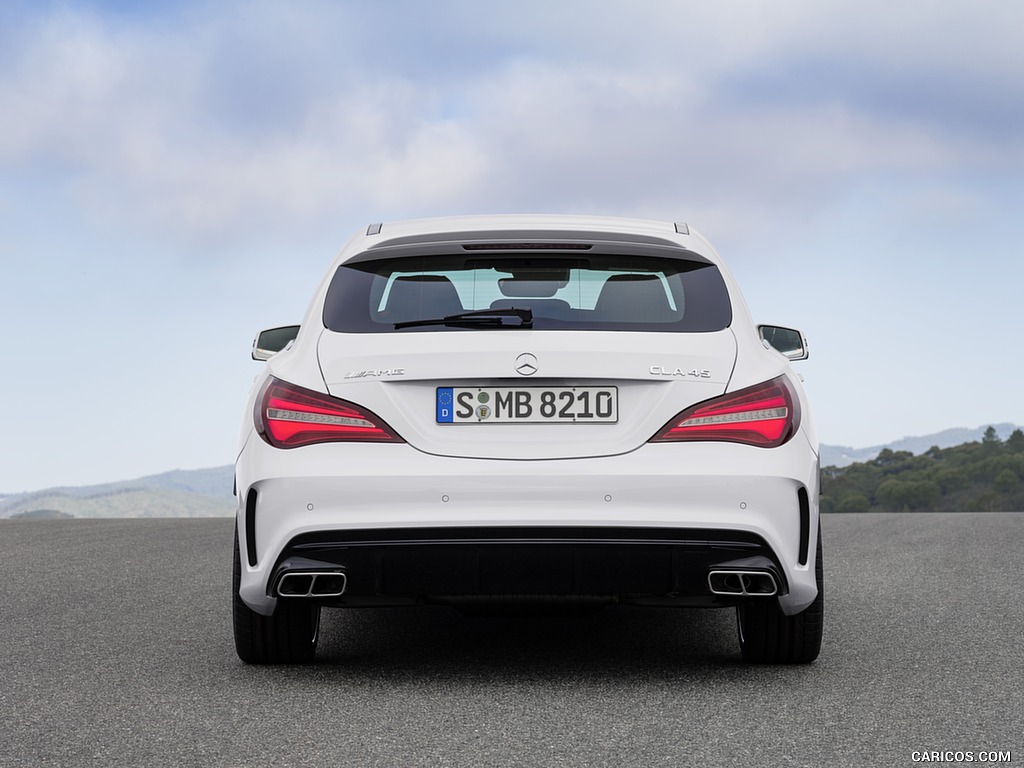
(788, 341)
(268, 343)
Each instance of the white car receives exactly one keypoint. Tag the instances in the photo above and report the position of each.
(492, 412)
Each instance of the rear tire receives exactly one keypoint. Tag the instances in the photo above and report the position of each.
(287, 637)
(768, 636)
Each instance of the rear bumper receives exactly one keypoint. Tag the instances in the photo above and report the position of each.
(473, 565)
(644, 527)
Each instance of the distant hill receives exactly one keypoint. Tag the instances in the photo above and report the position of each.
(977, 476)
(208, 492)
(180, 493)
(842, 456)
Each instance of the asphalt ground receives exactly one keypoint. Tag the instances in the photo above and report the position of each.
(116, 650)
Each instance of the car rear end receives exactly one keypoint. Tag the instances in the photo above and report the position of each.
(500, 411)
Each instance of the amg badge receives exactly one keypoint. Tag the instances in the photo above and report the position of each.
(375, 373)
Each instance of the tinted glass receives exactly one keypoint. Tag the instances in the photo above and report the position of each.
(598, 292)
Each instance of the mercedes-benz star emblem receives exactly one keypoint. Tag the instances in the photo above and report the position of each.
(526, 364)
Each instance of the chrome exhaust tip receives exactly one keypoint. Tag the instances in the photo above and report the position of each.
(742, 583)
(312, 584)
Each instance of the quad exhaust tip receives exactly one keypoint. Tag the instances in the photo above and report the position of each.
(742, 583)
(312, 584)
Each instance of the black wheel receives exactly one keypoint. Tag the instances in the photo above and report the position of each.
(287, 637)
(768, 636)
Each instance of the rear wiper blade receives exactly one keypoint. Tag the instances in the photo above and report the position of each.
(478, 318)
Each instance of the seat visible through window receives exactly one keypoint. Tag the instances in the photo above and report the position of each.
(418, 297)
(634, 298)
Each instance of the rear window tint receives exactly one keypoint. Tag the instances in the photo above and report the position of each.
(598, 292)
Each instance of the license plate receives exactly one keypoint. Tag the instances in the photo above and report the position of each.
(527, 405)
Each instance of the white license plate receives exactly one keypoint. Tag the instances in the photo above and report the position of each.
(527, 405)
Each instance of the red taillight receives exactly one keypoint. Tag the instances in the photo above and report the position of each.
(288, 416)
(765, 415)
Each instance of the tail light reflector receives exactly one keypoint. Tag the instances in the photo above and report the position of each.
(765, 415)
(288, 416)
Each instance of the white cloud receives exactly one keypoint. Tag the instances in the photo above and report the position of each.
(228, 119)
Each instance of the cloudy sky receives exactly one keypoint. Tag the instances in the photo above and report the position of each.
(175, 176)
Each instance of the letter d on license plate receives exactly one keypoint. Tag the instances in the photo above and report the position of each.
(527, 405)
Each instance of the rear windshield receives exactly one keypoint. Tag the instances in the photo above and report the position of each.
(597, 292)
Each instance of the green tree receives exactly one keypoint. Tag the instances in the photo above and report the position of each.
(950, 480)
(1015, 442)
(898, 494)
(888, 459)
(990, 442)
(980, 475)
(853, 502)
(989, 501)
(1006, 481)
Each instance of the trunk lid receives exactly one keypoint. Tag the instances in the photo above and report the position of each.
(654, 376)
